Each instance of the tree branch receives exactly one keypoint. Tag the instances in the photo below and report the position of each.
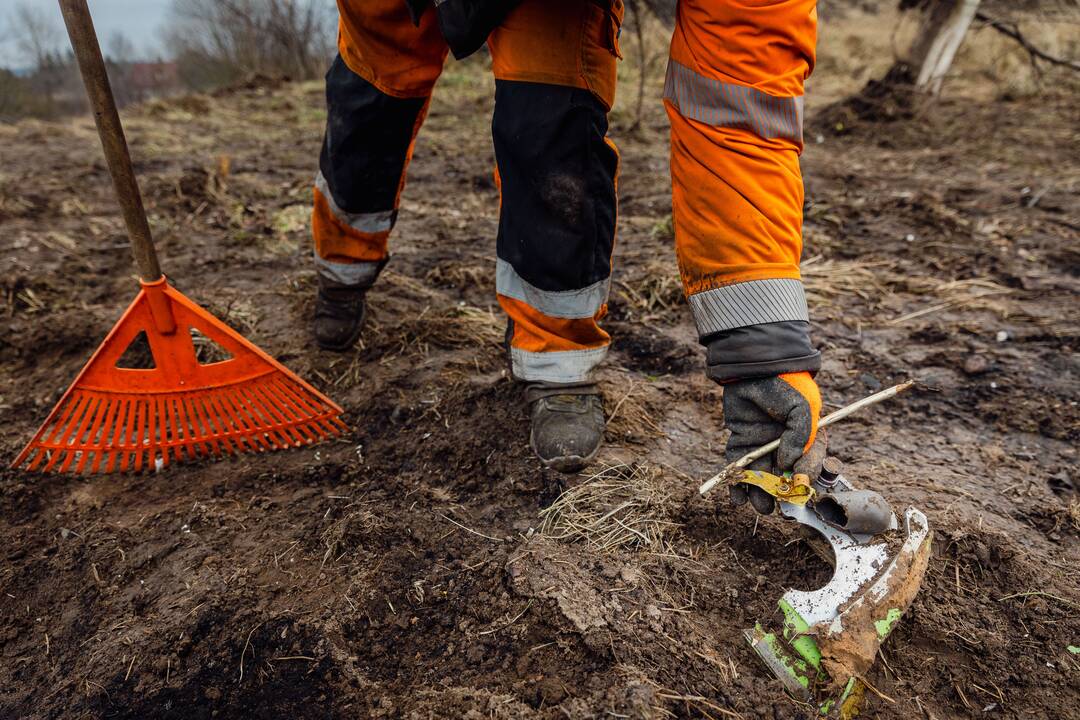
(1013, 31)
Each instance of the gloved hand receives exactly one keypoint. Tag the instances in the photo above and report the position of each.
(759, 410)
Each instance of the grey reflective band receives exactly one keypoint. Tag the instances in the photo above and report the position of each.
(360, 273)
(565, 366)
(725, 104)
(569, 304)
(373, 222)
(755, 302)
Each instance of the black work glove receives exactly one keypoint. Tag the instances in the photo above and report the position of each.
(759, 410)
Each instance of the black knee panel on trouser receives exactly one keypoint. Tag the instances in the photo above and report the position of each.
(367, 140)
(557, 226)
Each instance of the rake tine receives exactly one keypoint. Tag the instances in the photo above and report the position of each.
(55, 439)
(84, 423)
(175, 420)
(72, 432)
(211, 435)
(73, 403)
(294, 416)
(232, 435)
(208, 433)
(272, 427)
(134, 424)
(160, 437)
(214, 421)
(102, 428)
(261, 425)
(147, 435)
(113, 439)
(282, 421)
(182, 421)
(312, 413)
(244, 415)
(230, 431)
(193, 429)
(104, 410)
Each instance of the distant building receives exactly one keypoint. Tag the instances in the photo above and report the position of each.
(150, 79)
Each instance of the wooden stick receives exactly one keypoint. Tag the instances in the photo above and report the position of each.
(840, 414)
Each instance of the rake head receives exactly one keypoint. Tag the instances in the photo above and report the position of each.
(122, 418)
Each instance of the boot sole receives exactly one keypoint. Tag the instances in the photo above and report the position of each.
(343, 347)
(566, 464)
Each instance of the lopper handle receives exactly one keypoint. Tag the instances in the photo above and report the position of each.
(80, 28)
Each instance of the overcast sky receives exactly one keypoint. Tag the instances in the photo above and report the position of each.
(140, 20)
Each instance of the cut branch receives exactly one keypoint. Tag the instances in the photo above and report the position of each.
(1012, 30)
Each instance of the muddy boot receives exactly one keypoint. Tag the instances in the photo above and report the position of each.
(567, 424)
(339, 314)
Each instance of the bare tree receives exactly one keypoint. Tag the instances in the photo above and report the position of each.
(37, 34)
(220, 41)
(38, 37)
(943, 24)
(120, 49)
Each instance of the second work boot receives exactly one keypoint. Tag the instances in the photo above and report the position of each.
(567, 427)
(339, 314)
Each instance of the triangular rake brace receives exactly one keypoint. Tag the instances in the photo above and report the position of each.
(116, 418)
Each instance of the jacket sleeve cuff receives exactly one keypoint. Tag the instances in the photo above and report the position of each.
(760, 351)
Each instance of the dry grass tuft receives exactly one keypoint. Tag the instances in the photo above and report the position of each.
(1074, 514)
(831, 283)
(654, 291)
(619, 507)
(460, 276)
(460, 326)
(348, 532)
(632, 415)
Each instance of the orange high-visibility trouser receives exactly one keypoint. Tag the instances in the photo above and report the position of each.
(554, 64)
(734, 95)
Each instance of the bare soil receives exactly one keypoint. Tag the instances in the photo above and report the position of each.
(401, 571)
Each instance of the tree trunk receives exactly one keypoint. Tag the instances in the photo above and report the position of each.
(942, 28)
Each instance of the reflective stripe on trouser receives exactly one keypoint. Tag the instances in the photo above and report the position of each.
(366, 150)
(554, 64)
(557, 175)
(734, 97)
(556, 178)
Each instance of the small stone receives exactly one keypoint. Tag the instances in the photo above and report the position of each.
(212, 694)
(976, 364)
(870, 381)
(1002, 336)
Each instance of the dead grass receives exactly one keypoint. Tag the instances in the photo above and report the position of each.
(349, 531)
(619, 507)
(460, 276)
(632, 412)
(831, 284)
(654, 291)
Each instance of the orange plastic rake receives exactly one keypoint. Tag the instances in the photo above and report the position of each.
(121, 418)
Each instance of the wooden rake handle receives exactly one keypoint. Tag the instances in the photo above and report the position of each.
(80, 28)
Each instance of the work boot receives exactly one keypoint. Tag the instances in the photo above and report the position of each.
(567, 425)
(339, 314)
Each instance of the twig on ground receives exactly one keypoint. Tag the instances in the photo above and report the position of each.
(244, 651)
(470, 530)
(1040, 593)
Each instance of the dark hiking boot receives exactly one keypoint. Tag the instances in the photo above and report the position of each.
(567, 429)
(339, 314)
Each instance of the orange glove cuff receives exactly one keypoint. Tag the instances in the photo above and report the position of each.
(805, 385)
